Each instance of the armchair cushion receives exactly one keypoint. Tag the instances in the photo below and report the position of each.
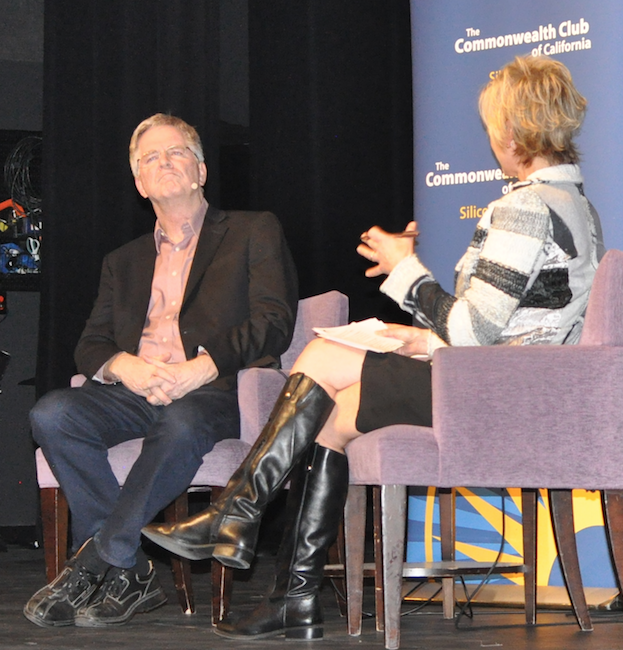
(121, 457)
(224, 459)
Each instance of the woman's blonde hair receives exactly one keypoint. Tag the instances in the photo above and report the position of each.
(535, 99)
(161, 119)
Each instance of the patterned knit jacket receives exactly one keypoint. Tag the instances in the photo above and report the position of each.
(526, 275)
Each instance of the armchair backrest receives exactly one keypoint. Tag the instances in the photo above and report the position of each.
(604, 315)
(258, 388)
(546, 416)
(328, 309)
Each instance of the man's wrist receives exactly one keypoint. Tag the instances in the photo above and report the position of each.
(108, 374)
(208, 367)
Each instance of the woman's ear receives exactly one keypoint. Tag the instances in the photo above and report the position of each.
(510, 137)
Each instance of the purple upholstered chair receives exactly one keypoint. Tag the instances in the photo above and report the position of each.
(529, 417)
(258, 389)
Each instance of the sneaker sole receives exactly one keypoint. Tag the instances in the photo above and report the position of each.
(302, 633)
(140, 607)
(227, 554)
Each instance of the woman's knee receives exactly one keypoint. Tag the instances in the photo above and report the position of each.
(320, 360)
(332, 365)
(313, 353)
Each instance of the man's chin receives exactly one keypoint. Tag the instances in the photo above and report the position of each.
(172, 187)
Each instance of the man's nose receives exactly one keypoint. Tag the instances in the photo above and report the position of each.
(164, 159)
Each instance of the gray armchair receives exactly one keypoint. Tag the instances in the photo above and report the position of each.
(528, 417)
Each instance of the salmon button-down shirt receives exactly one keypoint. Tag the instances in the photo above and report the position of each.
(161, 334)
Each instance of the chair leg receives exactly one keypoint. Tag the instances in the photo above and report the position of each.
(175, 512)
(529, 515)
(394, 509)
(447, 525)
(222, 585)
(55, 523)
(379, 599)
(354, 541)
(561, 507)
(335, 555)
(612, 501)
(222, 581)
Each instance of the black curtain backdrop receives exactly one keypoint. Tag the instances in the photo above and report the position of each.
(107, 66)
(330, 137)
(331, 133)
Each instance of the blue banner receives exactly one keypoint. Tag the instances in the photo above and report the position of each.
(457, 47)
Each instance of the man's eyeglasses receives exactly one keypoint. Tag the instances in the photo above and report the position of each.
(172, 153)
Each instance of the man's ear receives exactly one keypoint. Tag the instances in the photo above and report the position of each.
(139, 187)
(203, 174)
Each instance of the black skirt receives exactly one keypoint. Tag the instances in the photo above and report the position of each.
(394, 390)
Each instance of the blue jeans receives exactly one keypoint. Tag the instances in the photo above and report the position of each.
(75, 428)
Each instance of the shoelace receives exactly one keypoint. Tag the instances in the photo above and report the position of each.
(78, 581)
(115, 583)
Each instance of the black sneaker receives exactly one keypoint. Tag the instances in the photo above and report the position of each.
(122, 594)
(57, 603)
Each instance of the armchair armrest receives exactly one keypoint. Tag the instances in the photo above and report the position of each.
(77, 380)
(532, 416)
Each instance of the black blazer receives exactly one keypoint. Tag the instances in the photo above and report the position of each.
(239, 304)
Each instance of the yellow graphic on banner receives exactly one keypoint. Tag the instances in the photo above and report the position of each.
(586, 509)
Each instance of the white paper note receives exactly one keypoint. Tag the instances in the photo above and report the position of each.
(361, 335)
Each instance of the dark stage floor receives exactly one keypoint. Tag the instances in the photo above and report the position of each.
(22, 572)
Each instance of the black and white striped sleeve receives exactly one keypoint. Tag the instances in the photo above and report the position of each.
(497, 271)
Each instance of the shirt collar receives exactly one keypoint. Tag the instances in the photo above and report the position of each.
(555, 174)
(190, 228)
(561, 173)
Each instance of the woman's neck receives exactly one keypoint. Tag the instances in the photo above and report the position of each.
(523, 171)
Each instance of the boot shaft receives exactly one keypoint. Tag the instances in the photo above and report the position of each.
(314, 510)
(300, 413)
(228, 529)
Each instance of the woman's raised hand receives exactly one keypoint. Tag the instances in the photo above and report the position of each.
(386, 249)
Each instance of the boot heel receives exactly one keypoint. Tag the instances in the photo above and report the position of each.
(306, 633)
(232, 556)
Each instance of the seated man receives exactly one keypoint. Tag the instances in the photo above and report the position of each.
(178, 313)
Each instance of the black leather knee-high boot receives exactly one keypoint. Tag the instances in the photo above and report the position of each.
(314, 510)
(228, 529)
